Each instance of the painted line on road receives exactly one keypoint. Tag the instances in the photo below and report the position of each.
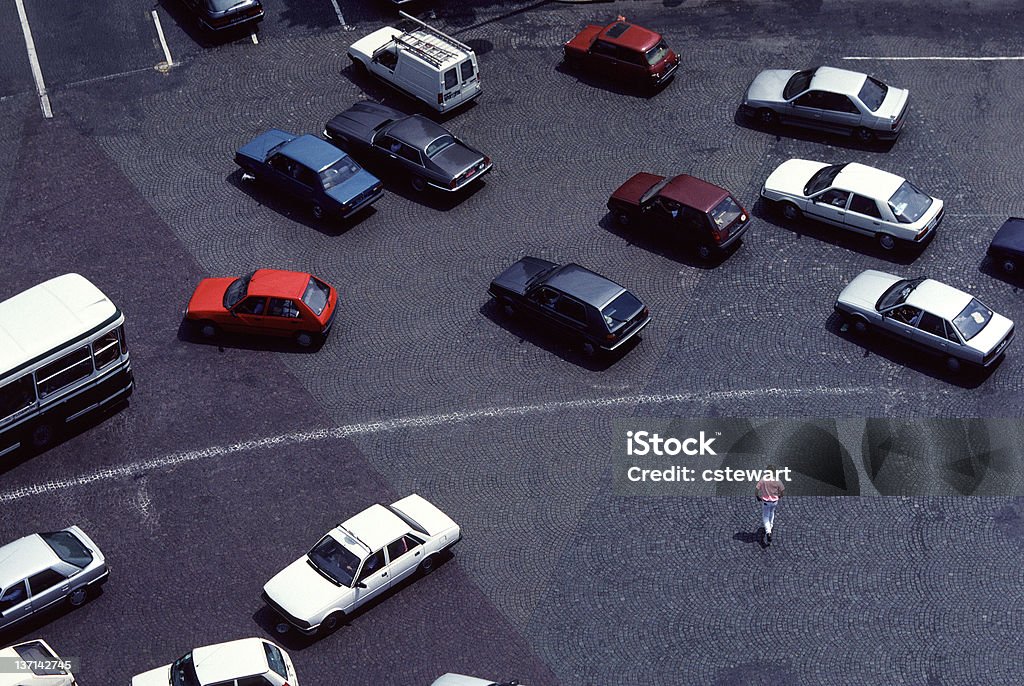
(337, 10)
(33, 60)
(937, 58)
(419, 422)
(163, 40)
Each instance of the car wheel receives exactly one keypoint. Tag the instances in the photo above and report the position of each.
(588, 348)
(208, 330)
(622, 218)
(78, 596)
(572, 61)
(1009, 266)
(886, 241)
(418, 183)
(428, 565)
(790, 211)
(359, 67)
(508, 307)
(304, 339)
(317, 210)
(282, 627)
(42, 435)
(330, 623)
(704, 252)
(767, 117)
(865, 135)
(858, 324)
(953, 364)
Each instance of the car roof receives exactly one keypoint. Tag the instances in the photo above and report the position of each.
(315, 153)
(278, 283)
(869, 181)
(694, 192)
(26, 556)
(837, 80)
(938, 298)
(417, 131)
(231, 660)
(584, 284)
(629, 36)
(376, 526)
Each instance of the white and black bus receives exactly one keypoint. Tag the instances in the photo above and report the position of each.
(63, 355)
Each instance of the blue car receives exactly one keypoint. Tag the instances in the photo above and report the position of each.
(311, 170)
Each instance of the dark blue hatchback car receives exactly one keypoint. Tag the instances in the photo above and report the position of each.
(311, 170)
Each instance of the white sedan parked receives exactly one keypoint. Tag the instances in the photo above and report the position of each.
(451, 679)
(855, 197)
(247, 662)
(358, 561)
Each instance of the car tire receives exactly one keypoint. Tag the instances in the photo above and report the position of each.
(704, 252)
(507, 307)
(571, 61)
(358, 66)
(588, 348)
(78, 596)
(886, 241)
(331, 623)
(208, 329)
(42, 435)
(428, 565)
(767, 117)
(418, 183)
(953, 364)
(789, 211)
(858, 324)
(282, 627)
(623, 218)
(1008, 265)
(304, 339)
(864, 135)
(317, 210)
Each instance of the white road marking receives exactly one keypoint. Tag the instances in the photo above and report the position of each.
(337, 10)
(255, 40)
(33, 60)
(411, 423)
(163, 41)
(938, 58)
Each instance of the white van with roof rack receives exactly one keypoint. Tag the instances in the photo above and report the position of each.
(422, 62)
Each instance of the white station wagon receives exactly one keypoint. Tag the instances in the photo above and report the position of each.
(34, 663)
(855, 197)
(358, 561)
(245, 662)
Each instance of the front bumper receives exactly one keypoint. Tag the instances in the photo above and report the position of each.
(302, 626)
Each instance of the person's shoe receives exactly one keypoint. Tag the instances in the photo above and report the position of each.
(768, 537)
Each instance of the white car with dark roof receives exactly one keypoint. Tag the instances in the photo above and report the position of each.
(245, 662)
(359, 560)
(856, 198)
(928, 314)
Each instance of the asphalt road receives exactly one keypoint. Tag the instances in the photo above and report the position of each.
(216, 475)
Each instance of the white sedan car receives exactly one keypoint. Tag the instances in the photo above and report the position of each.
(358, 561)
(854, 197)
(928, 314)
(250, 661)
(34, 663)
(451, 679)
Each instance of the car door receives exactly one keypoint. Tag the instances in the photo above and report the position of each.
(541, 301)
(839, 113)
(373, 579)
(863, 215)
(932, 333)
(605, 57)
(15, 603)
(404, 556)
(249, 316)
(572, 314)
(396, 151)
(283, 317)
(830, 206)
(47, 587)
(805, 110)
(282, 172)
(902, 321)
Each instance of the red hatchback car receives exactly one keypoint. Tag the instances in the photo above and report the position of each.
(623, 50)
(268, 302)
(687, 208)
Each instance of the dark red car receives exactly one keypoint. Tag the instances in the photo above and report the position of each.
(623, 50)
(685, 207)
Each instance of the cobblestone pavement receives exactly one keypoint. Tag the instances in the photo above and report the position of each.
(558, 580)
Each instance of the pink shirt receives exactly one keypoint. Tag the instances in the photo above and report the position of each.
(769, 490)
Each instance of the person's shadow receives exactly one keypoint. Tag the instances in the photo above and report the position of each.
(751, 537)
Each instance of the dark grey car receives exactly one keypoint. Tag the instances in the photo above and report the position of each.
(591, 310)
(428, 152)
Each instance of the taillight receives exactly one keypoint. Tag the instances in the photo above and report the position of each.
(454, 182)
(894, 123)
(645, 313)
(717, 236)
(487, 161)
(440, 98)
(610, 337)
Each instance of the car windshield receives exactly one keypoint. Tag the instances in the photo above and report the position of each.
(40, 660)
(316, 296)
(439, 144)
(655, 189)
(620, 310)
(872, 93)
(908, 203)
(236, 291)
(334, 561)
(898, 293)
(68, 548)
(657, 53)
(798, 83)
(183, 671)
(823, 178)
(972, 319)
(338, 173)
(726, 212)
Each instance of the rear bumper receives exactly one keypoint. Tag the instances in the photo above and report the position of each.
(631, 334)
(233, 23)
(365, 202)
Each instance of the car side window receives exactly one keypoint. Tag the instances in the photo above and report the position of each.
(844, 104)
(573, 309)
(813, 99)
(929, 323)
(606, 49)
(305, 175)
(951, 333)
(17, 395)
(633, 57)
(387, 58)
(833, 197)
(410, 153)
(45, 580)
(451, 79)
(280, 163)
(373, 564)
(253, 305)
(280, 307)
(836, 102)
(693, 219)
(17, 593)
(906, 314)
(545, 296)
(400, 547)
(254, 681)
(866, 206)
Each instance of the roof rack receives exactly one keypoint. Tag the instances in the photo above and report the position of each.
(436, 53)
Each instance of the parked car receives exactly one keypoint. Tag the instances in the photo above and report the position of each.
(41, 570)
(219, 16)
(462, 680)
(245, 662)
(591, 310)
(268, 302)
(422, 62)
(34, 663)
(1007, 246)
(359, 560)
(857, 198)
(828, 99)
(929, 314)
(312, 171)
(684, 207)
(623, 50)
(429, 153)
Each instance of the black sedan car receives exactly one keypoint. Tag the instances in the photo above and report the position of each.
(311, 170)
(1007, 247)
(591, 310)
(220, 16)
(428, 152)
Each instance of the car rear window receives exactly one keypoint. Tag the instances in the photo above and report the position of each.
(620, 310)
(338, 173)
(183, 671)
(972, 319)
(726, 212)
(467, 70)
(68, 548)
(439, 144)
(317, 295)
(798, 83)
(908, 203)
(40, 660)
(872, 93)
(657, 53)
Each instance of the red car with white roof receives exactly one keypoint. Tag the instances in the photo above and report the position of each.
(623, 50)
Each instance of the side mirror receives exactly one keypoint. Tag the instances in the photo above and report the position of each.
(360, 585)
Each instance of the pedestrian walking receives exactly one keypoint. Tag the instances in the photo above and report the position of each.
(768, 491)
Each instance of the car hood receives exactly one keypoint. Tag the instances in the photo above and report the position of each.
(360, 182)
(791, 176)
(209, 295)
(634, 189)
(424, 513)
(767, 86)
(866, 288)
(517, 277)
(456, 158)
(993, 333)
(302, 592)
(895, 101)
(161, 676)
(259, 146)
(360, 120)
